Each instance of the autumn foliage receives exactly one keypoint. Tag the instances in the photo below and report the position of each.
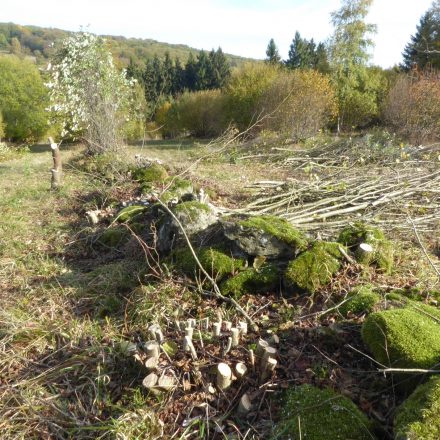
(413, 106)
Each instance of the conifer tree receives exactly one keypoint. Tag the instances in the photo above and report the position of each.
(190, 73)
(178, 78)
(424, 48)
(320, 59)
(301, 53)
(272, 54)
(167, 70)
(220, 70)
(203, 71)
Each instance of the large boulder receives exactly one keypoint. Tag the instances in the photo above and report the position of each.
(314, 414)
(314, 269)
(267, 236)
(418, 418)
(404, 338)
(195, 218)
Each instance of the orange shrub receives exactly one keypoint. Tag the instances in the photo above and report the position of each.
(413, 106)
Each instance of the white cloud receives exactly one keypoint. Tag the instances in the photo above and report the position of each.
(242, 27)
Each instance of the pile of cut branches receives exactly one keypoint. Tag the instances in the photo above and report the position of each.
(394, 197)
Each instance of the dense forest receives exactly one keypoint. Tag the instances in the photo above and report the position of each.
(40, 43)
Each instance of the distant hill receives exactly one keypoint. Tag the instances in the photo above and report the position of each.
(40, 43)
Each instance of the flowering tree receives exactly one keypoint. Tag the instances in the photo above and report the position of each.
(88, 94)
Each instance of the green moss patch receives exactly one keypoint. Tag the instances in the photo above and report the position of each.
(192, 208)
(314, 414)
(353, 235)
(360, 301)
(266, 279)
(418, 417)
(404, 338)
(177, 184)
(176, 188)
(130, 213)
(113, 237)
(314, 268)
(217, 263)
(278, 228)
(147, 177)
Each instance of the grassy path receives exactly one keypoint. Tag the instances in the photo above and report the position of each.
(58, 348)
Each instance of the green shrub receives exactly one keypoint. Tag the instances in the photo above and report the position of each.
(314, 269)
(418, 418)
(404, 338)
(265, 280)
(23, 99)
(313, 414)
(244, 92)
(199, 114)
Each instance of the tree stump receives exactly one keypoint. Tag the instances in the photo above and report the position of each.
(57, 165)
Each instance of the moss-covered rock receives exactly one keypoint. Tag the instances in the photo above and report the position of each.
(176, 187)
(148, 176)
(217, 263)
(418, 418)
(383, 250)
(194, 217)
(179, 186)
(268, 236)
(130, 213)
(360, 300)
(113, 237)
(314, 268)
(323, 415)
(266, 279)
(404, 338)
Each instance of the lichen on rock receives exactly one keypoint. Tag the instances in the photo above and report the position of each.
(267, 235)
(383, 249)
(266, 279)
(323, 415)
(418, 417)
(314, 269)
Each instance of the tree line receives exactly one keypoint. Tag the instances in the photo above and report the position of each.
(335, 76)
(164, 79)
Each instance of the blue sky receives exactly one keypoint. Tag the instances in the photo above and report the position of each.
(241, 27)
